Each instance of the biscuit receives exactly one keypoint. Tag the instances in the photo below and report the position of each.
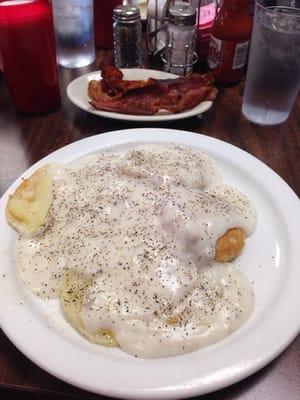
(230, 245)
(71, 295)
(28, 206)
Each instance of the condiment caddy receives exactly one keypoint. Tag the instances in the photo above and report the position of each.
(175, 26)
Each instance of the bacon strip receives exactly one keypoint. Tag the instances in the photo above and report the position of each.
(113, 83)
(148, 97)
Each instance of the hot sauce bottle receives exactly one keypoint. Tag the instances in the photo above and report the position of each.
(229, 42)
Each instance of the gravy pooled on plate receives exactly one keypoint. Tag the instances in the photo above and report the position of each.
(138, 230)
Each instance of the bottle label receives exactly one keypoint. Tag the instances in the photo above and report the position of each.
(227, 54)
(240, 55)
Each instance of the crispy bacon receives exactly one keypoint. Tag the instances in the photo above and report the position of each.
(109, 72)
(148, 97)
(113, 83)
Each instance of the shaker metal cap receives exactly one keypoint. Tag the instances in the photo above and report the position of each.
(124, 13)
(182, 13)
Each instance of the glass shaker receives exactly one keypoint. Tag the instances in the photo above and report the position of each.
(179, 55)
(127, 37)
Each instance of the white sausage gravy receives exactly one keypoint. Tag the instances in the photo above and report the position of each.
(143, 224)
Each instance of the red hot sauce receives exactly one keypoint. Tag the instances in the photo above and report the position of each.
(230, 41)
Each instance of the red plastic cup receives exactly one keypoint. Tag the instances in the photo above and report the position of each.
(28, 56)
(103, 22)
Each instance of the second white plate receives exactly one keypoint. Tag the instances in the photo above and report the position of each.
(77, 93)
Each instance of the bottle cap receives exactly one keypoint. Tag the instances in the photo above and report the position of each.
(182, 13)
(124, 13)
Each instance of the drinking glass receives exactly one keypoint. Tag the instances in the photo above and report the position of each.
(273, 76)
(74, 31)
(27, 55)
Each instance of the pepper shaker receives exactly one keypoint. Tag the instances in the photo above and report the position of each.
(179, 55)
(127, 36)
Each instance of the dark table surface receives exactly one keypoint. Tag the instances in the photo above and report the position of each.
(25, 139)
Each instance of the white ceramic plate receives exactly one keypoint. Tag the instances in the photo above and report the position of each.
(270, 260)
(77, 93)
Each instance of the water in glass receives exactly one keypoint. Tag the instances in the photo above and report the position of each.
(273, 77)
(74, 31)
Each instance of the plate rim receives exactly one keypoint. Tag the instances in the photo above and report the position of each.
(206, 105)
(137, 135)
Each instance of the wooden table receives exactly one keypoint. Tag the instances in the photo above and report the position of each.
(25, 139)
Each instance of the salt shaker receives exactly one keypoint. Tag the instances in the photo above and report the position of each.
(127, 36)
(179, 55)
